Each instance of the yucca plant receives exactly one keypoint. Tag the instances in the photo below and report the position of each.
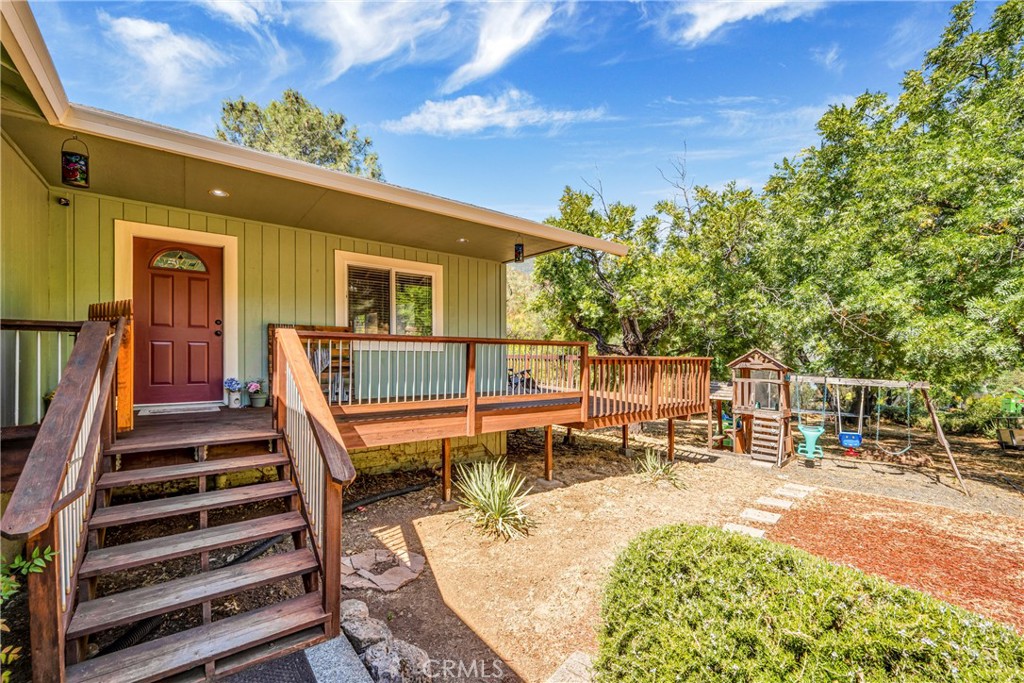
(494, 498)
(652, 467)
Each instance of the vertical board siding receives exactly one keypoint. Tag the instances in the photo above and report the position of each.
(285, 274)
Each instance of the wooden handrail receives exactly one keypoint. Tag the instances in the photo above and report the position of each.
(95, 430)
(431, 340)
(31, 506)
(321, 420)
(41, 325)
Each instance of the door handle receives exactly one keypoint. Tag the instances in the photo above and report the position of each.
(217, 333)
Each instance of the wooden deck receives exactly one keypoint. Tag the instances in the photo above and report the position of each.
(189, 430)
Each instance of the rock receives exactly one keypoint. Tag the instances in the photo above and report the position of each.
(397, 662)
(394, 578)
(356, 582)
(354, 609)
(364, 633)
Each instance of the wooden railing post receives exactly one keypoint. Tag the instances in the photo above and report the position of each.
(46, 618)
(277, 386)
(470, 388)
(332, 558)
(655, 389)
(585, 383)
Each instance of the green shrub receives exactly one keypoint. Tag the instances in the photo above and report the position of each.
(493, 496)
(688, 603)
(654, 468)
(976, 417)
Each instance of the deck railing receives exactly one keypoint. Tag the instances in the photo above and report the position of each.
(362, 373)
(51, 503)
(640, 388)
(320, 462)
(33, 353)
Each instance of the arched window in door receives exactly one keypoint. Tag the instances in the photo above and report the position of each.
(179, 259)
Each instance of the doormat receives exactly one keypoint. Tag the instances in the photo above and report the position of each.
(178, 410)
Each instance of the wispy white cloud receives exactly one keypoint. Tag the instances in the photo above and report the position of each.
(245, 14)
(692, 22)
(828, 57)
(368, 32)
(255, 17)
(507, 112)
(167, 68)
(720, 100)
(506, 28)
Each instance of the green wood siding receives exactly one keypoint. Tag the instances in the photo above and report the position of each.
(58, 260)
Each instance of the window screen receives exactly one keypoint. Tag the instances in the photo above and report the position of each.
(369, 300)
(414, 299)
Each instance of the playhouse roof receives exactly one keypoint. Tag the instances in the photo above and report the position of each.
(756, 359)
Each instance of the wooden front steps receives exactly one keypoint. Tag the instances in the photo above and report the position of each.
(193, 502)
(153, 661)
(215, 648)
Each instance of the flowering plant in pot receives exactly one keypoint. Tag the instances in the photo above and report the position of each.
(234, 388)
(257, 393)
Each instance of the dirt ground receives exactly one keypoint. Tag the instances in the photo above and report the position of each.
(971, 559)
(523, 607)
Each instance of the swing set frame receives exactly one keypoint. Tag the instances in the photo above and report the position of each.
(922, 387)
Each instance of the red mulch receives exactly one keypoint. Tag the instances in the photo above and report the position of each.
(969, 559)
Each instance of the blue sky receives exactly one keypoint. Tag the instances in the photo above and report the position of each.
(503, 104)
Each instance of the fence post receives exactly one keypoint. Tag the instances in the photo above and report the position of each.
(277, 384)
(655, 389)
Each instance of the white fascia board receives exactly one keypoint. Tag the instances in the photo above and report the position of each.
(25, 44)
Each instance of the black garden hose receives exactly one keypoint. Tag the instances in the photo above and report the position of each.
(349, 507)
(140, 630)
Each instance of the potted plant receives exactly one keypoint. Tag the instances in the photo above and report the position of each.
(234, 388)
(257, 393)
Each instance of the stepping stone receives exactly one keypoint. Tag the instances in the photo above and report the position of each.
(769, 502)
(761, 516)
(578, 668)
(787, 492)
(743, 529)
(801, 487)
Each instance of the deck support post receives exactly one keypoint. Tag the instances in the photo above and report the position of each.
(446, 470)
(567, 439)
(671, 439)
(549, 454)
(625, 439)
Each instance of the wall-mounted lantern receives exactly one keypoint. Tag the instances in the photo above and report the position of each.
(74, 166)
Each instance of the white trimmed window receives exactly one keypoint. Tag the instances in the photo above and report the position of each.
(378, 295)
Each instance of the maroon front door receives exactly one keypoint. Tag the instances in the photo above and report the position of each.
(179, 311)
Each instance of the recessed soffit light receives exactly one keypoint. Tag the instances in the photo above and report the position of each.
(217, 192)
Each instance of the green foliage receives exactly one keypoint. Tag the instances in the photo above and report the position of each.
(688, 603)
(295, 128)
(654, 468)
(977, 416)
(494, 500)
(893, 248)
(9, 586)
(523, 318)
(625, 304)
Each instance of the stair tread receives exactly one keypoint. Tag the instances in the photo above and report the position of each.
(193, 502)
(92, 616)
(152, 475)
(120, 557)
(166, 656)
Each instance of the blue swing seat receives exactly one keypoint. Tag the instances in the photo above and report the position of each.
(810, 448)
(850, 439)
